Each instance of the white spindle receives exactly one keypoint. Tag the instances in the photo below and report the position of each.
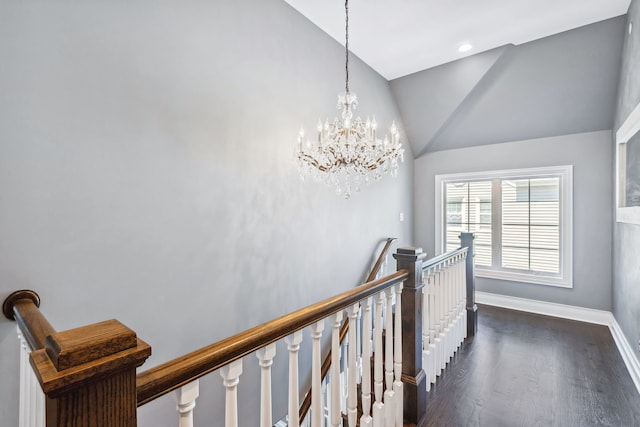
(33, 391)
(293, 346)
(443, 319)
(464, 294)
(185, 398)
(389, 395)
(316, 375)
(335, 414)
(460, 298)
(425, 328)
(352, 397)
(447, 312)
(365, 420)
(265, 356)
(397, 357)
(24, 364)
(231, 375)
(359, 347)
(378, 406)
(437, 306)
(432, 329)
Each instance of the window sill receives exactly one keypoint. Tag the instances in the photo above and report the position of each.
(560, 282)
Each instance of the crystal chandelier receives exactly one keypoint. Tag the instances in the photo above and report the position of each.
(347, 151)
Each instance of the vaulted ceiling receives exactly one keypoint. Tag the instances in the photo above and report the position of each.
(401, 37)
(538, 68)
(559, 85)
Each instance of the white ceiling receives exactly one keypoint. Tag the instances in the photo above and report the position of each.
(400, 37)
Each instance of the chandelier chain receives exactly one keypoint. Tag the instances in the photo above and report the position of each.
(346, 46)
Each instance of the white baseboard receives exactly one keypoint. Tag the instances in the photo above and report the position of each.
(589, 315)
(626, 351)
(599, 317)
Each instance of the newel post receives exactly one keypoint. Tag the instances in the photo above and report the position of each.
(413, 377)
(466, 240)
(89, 375)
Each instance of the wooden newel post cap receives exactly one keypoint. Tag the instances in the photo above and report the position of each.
(10, 301)
(409, 254)
(78, 356)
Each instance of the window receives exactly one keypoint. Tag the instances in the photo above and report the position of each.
(521, 220)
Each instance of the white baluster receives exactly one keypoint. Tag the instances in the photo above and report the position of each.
(366, 420)
(460, 299)
(443, 319)
(431, 367)
(265, 356)
(344, 386)
(437, 305)
(446, 294)
(359, 347)
(335, 414)
(34, 389)
(426, 340)
(316, 379)
(24, 364)
(453, 306)
(26, 381)
(293, 345)
(378, 406)
(352, 396)
(397, 357)
(464, 294)
(231, 375)
(389, 395)
(185, 398)
(41, 410)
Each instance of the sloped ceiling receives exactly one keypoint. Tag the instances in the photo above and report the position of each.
(561, 84)
(400, 37)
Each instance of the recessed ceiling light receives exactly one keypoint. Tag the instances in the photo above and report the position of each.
(464, 47)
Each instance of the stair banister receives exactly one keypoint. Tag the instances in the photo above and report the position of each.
(377, 266)
(166, 377)
(87, 373)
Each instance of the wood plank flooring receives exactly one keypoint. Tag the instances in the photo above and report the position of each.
(524, 369)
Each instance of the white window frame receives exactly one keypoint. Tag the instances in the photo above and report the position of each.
(631, 126)
(565, 277)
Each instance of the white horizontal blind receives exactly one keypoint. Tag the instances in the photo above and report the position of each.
(531, 224)
(468, 207)
(521, 220)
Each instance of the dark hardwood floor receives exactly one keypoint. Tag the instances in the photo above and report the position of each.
(524, 369)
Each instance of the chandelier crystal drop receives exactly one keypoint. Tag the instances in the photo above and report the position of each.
(346, 152)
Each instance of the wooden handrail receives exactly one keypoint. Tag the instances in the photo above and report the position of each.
(306, 403)
(22, 306)
(173, 374)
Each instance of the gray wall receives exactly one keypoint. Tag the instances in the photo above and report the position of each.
(559, 85)
(590, 154)
(626, 248)
(147, 174)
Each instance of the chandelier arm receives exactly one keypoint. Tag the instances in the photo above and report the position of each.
(313, 162)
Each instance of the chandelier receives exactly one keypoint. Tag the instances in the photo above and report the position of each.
(347, 152)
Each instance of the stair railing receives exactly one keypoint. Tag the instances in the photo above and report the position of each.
(88, 374)
(326, 364)
(449, 309)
